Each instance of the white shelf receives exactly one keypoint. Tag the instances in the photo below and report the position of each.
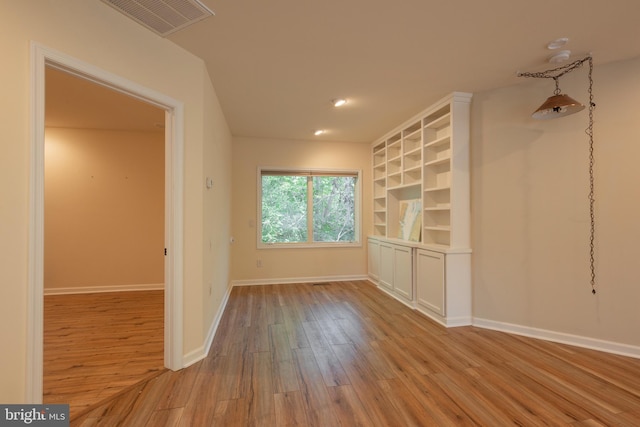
(440, 141)
(426, 190)
(413, 135)
(413, 152)
(404, 186)
(437, 162)
(438, 228)
(439, 122)
(414, 169)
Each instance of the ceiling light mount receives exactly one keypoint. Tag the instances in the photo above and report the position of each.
(319, 132)
(557, 43)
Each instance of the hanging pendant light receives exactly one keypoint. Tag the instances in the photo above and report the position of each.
(560, 105)
(557, 105)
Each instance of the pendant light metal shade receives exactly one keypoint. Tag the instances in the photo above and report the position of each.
(557, 106)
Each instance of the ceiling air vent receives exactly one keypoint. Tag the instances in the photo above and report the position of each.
(163, 17)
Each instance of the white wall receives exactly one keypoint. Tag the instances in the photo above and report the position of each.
(216, 220)
(530, 212)
(104, 209)
(95, 33)
(292, 264)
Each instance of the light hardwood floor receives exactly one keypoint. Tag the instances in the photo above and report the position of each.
(347, 354)
(97, 345)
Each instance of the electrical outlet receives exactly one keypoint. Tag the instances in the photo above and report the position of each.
(259, 263)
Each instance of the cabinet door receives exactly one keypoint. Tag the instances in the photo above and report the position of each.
(431, 281)
(386, 265)
(374, 259)
(403, 271)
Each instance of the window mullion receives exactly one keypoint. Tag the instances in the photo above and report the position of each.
(310, 209)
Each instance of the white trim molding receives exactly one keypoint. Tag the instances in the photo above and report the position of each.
(71, 290)
(318, 279)
(201, 352)
(560, 337)
(42, 56)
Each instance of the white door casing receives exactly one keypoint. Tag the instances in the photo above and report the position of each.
(42, 56)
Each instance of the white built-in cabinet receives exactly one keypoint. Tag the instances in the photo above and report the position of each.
(373, 250)
(430, 281)
(425, 161)
(443, 286)
(396, 269)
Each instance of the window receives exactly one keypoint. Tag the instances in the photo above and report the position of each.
(309, 208)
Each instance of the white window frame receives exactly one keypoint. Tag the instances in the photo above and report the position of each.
(311, 244)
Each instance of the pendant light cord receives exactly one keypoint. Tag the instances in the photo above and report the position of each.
(555, 74)
(592, 200)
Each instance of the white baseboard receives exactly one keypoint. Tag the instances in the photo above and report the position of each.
(560, 337)
(201, 352)
(102, 289)
(447, 322)
(319, 279)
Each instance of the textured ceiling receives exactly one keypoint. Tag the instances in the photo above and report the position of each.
(275, 65)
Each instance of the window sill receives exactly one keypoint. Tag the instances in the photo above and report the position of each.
(323, 245)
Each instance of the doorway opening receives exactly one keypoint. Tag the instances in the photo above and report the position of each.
(41, 58)
(104, 241)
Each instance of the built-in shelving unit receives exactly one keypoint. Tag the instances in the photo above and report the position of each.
(437, 177)
(380, 189)
(424, 163)
(426, 159)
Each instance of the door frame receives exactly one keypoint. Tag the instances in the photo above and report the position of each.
(42, 56)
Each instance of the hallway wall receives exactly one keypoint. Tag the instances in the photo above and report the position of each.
(104, 209)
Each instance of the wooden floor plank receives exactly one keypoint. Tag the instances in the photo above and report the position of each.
(290, 409)
(284, 373)
(261, 402)
(317, 403)
(347, 407)
(365, 384)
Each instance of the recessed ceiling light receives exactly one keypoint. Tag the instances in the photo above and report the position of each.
(557, 43)
(319, 132)
(338, 102)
